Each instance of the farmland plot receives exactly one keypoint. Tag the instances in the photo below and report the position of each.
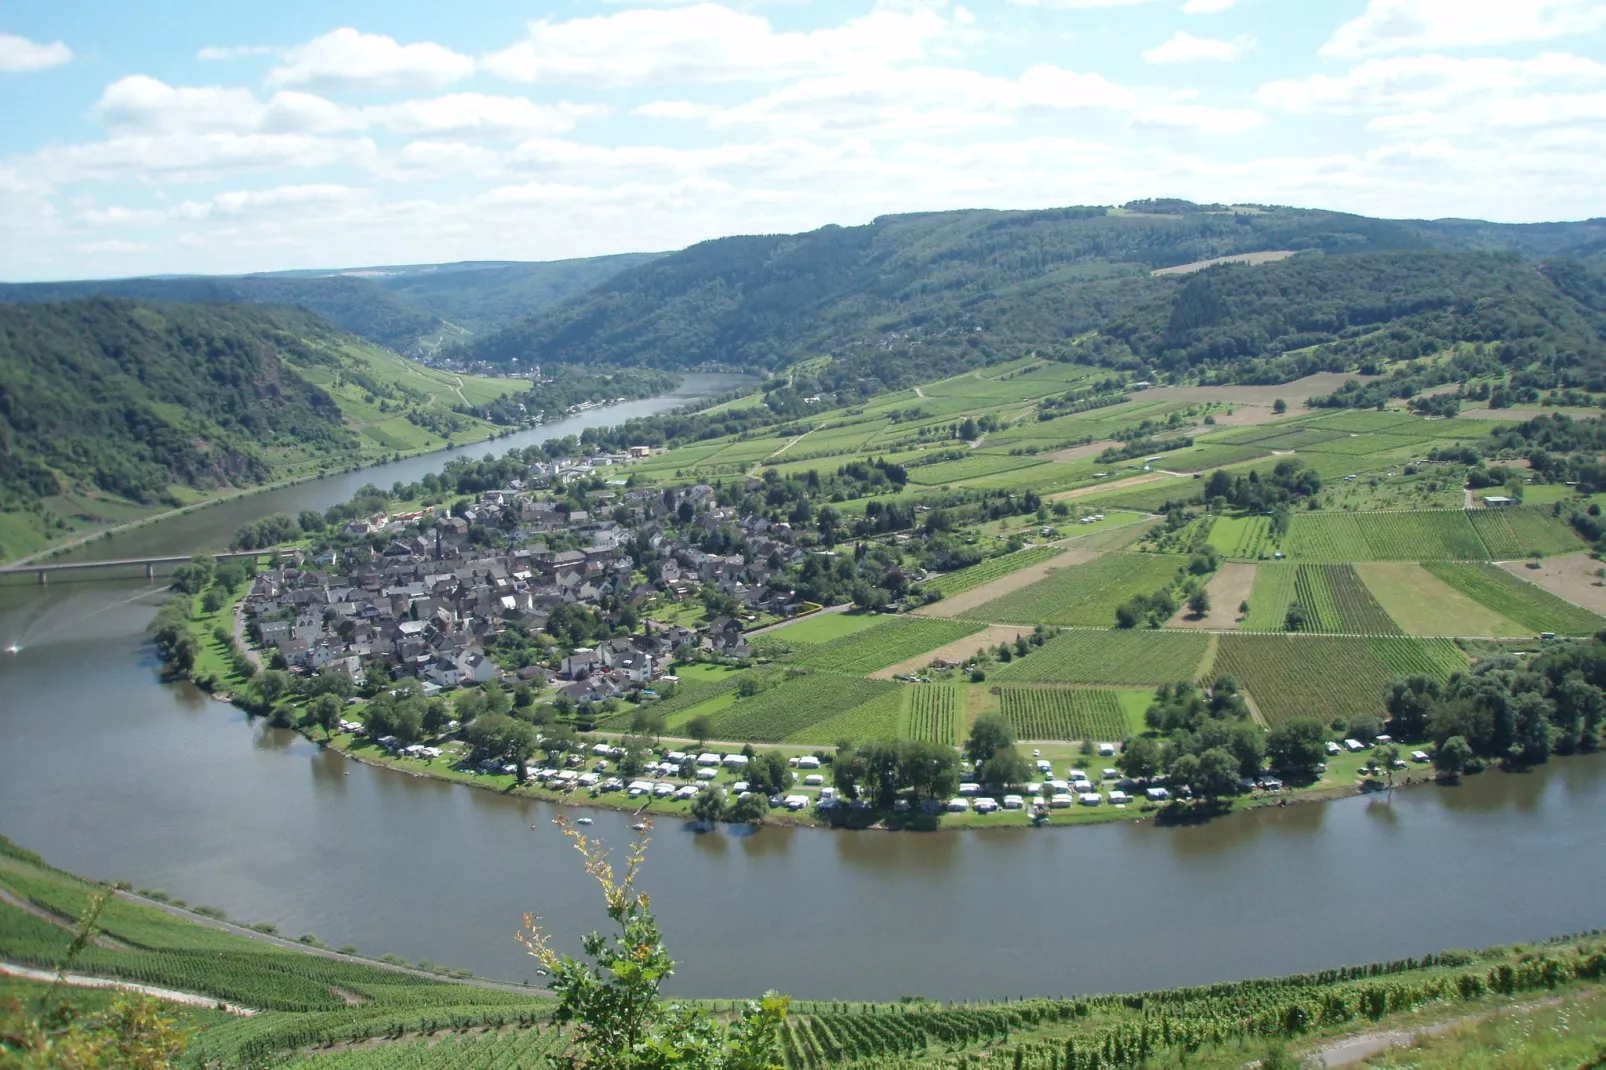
(1521, 601)
(1111, 657)
(1083, 594)
(1246, 538)
(874, 719)
(1060, 713)
(1358, 611)
(1272, 595)
(1512, 533)
(899, 639)
(1326, 537)
(951, 583)
(971, 467)
(796, 705)
(1427, 535)
(930, 714)
(1324, 677)
(1422, 604)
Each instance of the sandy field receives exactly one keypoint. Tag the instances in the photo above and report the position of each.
(1228, 588)
(956, 652)
(1118, 484)
(1294, 393)
(1268, 257)
(1076, 453)
(1571, 576)
(965, 601)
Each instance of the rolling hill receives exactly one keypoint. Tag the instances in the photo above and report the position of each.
(911, 297)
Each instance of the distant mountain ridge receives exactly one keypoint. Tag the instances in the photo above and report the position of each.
(412, 309)
(911, 297)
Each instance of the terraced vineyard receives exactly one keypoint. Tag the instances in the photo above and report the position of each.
(931, 714)
(1441, 535)
(1272, 595)
(1528, 605)
(1084, 594)
(794, 706)
(1327, 676)
(951, 583)
(899, 639)
(1111, 657)
(1245, 538)
(485, 1051)
(1044, 713)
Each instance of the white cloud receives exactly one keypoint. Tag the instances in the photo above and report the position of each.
(1198, 118)
(1184, 47)
(1428, 83)
(1077, 5)
(1414, 25)
(21, 54)
(347, 59)
(142, 105)
(1207, 7)
(316, 195)
(709, 43)
(194, 157)
(908, 102)
(477, 114)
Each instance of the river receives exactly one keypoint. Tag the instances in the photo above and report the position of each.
(112, 774)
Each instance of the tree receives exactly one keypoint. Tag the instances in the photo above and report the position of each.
(1005, 768)
(271, 686)
(989, 735)
(1451, 757)
(611, 999)
(1294, 619)
(1409, 700)
(709, 806)
(1141, 758)
(1296, 746)
(324, 711)
(1279, 406)
(1217, 775)
(1385, 757)
(700, 728)
(750, 807)
(1199, 604)
(647, 721)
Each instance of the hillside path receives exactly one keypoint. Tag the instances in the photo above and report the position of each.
(83, 980)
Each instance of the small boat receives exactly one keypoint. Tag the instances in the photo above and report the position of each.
(639, 826)
(582, 821)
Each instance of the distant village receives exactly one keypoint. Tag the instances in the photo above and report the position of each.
(428, 603)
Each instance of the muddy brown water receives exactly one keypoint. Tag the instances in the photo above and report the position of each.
(113, 774)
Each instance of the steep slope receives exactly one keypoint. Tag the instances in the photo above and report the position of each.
(112, 408)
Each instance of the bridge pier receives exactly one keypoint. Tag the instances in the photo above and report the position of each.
(42, 575)
(150, 571)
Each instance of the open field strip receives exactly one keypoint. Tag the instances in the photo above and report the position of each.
(1327, 677)
(1526, 603)
(897, 640)
(1573, 577)
(977, 575)
(789, 708)
(1422, 604)
(1272, 595)
(1118, 484)
(819, 628)
(1358, 611)
(1519, 532)
(957, 652)
(1110, 656)
(1232, 585)
(985, 592)
(931, 713)
(1072, 714)
(876, 718)
(1084, 594)
(1244, 538)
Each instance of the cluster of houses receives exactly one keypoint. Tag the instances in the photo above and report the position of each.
(420, 598)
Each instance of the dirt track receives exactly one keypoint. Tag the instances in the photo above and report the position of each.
(1119, 484)
(958, 651)
(965, 601)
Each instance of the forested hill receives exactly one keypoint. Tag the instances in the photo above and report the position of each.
(132, 398)
(408, 309)
(910, 297)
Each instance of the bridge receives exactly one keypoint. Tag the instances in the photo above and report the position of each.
(150, 563)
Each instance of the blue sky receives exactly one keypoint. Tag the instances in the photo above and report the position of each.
(223, 137)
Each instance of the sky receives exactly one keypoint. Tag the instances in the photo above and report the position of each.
(207, 137)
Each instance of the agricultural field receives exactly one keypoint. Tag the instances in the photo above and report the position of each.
(931, 713)
(1072, 714)
(876, 718)
(817, 629)
(1327, 677)
(1512, 533)
(1529, 605)
(1084, 594)
(1343, 601)
(1435, 535)
(792, 707)
(1272, 595)
(972, 467)
(1244, 538)
(493, 1049)
(898, 639)
(1422, 604)
(1085, 656)
(949, 584)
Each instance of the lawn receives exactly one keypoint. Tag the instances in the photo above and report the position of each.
(1084, 656)
(819, 628)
